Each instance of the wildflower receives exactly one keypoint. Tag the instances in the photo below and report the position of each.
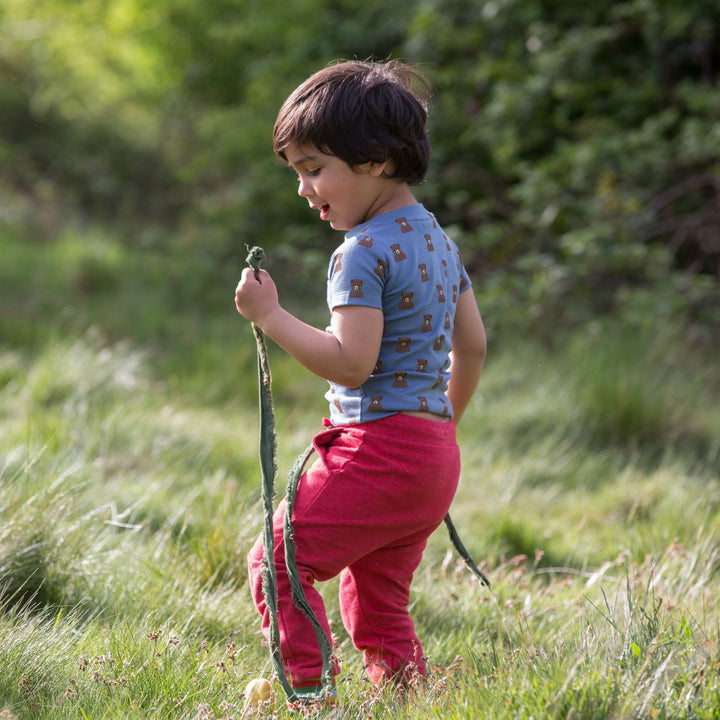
(204, 712)
(231, 652)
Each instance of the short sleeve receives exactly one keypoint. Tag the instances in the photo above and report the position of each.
(356, 275)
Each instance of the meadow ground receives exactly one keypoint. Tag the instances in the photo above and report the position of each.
(129, 495)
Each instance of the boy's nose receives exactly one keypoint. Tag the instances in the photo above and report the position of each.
(304, 189)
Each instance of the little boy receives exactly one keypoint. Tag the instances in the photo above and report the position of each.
(402, 355)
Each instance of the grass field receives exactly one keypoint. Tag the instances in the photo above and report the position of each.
(129, 495)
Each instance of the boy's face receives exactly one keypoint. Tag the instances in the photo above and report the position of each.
(345, 196)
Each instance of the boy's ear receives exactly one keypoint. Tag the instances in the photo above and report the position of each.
(378, 169)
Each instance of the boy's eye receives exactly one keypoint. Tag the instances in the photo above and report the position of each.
(307, 173)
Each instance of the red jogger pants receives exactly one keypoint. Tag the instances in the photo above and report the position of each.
(364, 509)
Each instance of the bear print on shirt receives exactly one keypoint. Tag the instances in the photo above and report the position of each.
(398, 253)
(405, 226)
(406, 301)
(400, 380)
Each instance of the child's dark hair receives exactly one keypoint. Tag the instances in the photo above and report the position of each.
(361, 112)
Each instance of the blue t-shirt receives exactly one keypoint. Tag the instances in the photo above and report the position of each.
(402, 263)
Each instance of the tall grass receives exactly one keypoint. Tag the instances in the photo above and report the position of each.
(129, 493)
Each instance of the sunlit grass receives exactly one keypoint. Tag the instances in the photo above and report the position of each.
(129, 496)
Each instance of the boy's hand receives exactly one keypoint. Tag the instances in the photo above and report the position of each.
(255, 299)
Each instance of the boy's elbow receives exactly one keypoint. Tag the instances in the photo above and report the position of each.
(353, 382)
(470, 349)
(481, 341)
(482, 347)
(477, 355)
(476, 345)
(352, 377)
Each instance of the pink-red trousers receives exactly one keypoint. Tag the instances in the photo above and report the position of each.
(364, 510)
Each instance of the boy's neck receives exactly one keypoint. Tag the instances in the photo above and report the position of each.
(399, 195)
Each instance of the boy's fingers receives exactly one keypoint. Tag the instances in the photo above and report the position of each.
(250, 273)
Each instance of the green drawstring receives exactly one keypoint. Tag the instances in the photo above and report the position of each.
(269, 471)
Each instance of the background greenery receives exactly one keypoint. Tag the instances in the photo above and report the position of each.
(575, 161)
(575, 148)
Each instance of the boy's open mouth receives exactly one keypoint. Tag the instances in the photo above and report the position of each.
(324, 211)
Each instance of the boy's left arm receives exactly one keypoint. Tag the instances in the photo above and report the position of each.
(469, 345)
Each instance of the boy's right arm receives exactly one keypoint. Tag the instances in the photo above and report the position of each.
(469, 346)
(345, 356)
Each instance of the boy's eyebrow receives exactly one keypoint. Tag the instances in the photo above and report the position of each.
(303, 160)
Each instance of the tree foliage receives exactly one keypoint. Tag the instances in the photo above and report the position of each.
(576, 147)
(583, 157)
